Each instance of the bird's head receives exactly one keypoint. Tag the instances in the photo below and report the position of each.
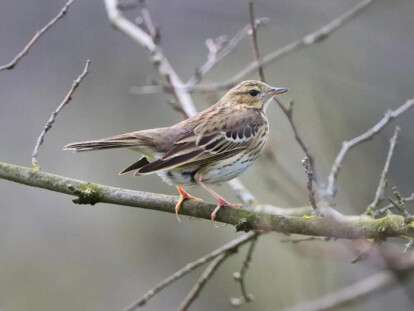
(252, 94)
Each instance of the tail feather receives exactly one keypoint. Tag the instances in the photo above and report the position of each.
(128, 140)
(98, 145)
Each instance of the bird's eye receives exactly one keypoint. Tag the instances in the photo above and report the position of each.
(254, 93)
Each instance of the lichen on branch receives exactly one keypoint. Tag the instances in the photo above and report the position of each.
(267, 218)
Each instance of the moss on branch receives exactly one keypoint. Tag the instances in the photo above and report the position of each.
(286, 220)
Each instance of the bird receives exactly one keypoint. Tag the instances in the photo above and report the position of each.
(213, 146)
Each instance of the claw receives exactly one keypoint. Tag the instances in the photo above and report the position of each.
(184, 195)
(221, 202)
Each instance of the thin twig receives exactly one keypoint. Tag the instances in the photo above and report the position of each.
(389, 116)
(399, 202)
(255, 41)
(55, 113)
(379, 194)
(308, 162)
(384, 209)
(229, 247)
(315, 37)
(219, 48)
(153, 30)
(202, 281)
(36, 37)
(120, 22)
(240, 276)
(309, 169)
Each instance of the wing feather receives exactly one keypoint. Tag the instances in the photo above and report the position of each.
(209, 142)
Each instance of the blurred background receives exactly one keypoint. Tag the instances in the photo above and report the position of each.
(55, 255)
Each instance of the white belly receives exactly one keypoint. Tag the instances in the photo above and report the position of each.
(228, 169)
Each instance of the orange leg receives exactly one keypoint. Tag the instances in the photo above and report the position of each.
(184, 195)
(221, 202)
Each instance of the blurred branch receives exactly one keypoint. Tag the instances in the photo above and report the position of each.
(241, 275)
(219, 48)
(267, 218)
(352, 293)
(312, 38)
(255, 42)
(382, 210)
(36, 37)
(158, 58)
(379, 194)
(315, 37)
(308, 162)
(231, 246)
(398, 267)
(152, 30)
(55, 113)
(202, 281)
(389, 116)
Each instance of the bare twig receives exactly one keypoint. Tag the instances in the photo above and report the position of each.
(308, 162)
(399, 202)
(255, 42)
(36, 37)
(55, 113)
(240, 276)
(379, 194)
(153, 30)
(229, 247)
(315, 37)
(125, 5)
(382, 210)
(309, 168)
(202, 281)
(219, 48)
(389, 116)
(158, 58)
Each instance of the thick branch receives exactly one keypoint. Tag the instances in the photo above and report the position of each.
(253, 218)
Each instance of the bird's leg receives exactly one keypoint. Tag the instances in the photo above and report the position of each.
(221, 202)
(184, 195)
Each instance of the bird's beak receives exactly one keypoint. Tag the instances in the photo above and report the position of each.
(277, 91)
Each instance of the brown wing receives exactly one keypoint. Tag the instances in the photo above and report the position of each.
(218, 136)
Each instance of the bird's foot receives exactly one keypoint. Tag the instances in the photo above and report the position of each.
(184, 195)
(221, 202)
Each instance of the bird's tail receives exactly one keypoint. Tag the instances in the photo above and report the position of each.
(136, 140)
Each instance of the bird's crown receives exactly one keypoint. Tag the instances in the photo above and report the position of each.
(252, 94)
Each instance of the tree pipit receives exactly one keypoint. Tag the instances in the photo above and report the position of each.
(216, 145)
